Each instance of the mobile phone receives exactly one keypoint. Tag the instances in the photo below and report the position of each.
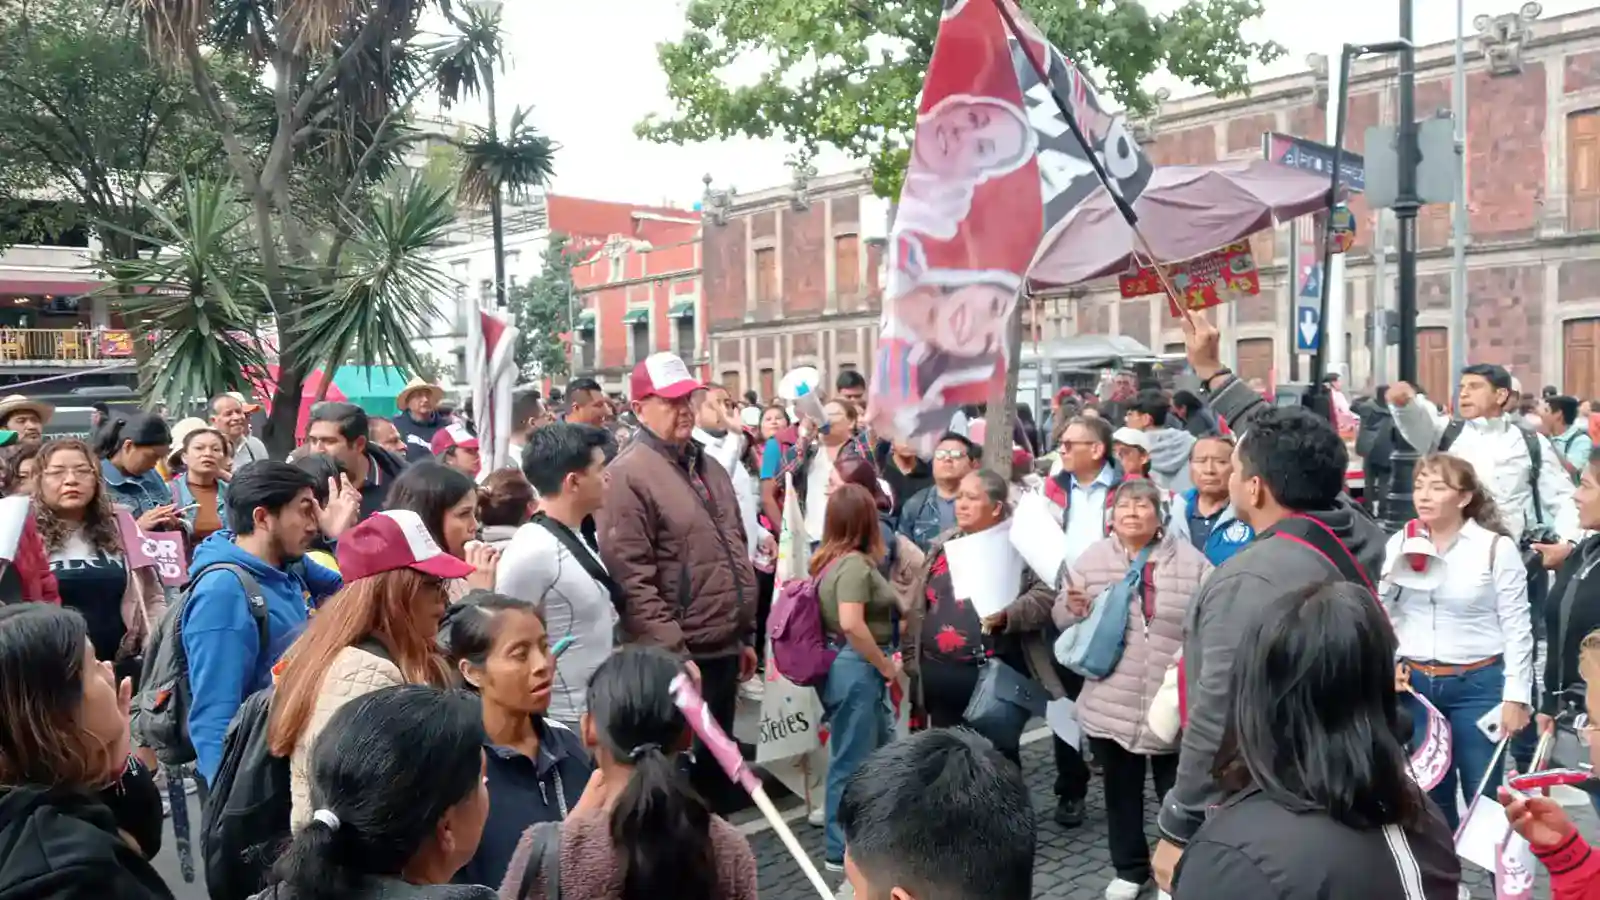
(1549, 778)
(189, 507)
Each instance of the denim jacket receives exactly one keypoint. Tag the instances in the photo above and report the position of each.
(919, 518)
(184, 498)
(139, 493)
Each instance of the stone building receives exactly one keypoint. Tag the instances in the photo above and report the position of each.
(791, 278)
(1533, 170)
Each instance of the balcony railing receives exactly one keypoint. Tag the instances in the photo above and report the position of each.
(65, 346)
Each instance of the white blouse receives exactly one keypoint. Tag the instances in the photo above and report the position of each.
(1480, 610)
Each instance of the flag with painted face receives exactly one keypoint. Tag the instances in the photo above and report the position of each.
(993, 166)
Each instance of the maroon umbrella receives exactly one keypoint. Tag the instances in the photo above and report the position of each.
(1184, 211)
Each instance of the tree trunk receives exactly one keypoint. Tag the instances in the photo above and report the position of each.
(1001, 418)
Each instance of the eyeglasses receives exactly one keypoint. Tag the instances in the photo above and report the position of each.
(949, 454)
(81, 472)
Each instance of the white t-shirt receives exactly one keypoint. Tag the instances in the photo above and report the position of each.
(817, 493)
(538, 568)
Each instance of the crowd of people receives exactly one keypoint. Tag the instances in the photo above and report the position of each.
(439, 680)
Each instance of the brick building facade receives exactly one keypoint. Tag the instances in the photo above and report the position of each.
(791, 279)
(1533, 171)
(639, 293)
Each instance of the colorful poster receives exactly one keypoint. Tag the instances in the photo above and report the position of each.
(114, 344)
(993, 166)
(1220, 276)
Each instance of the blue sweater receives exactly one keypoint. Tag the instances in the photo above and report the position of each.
(223, 644)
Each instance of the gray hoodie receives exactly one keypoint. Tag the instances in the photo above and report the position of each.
(1169, 458)
(384, 888)
(1224, 606)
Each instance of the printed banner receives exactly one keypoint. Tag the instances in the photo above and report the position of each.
(114, 344)
(163, 551)
(993, 166)
(1221, 276)
(492, 372)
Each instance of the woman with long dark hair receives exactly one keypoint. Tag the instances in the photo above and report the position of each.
(130, 448)
(447, 501)
(122, 603)
(399, 802)
(536, 767)
(63, 754)
(1457, 592)
(1322, 805)
(640, 832)
(379, 630)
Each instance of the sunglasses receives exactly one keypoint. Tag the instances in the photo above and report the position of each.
(949, 454)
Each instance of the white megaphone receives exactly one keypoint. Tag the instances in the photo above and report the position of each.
(1417, 567)
(799, 387)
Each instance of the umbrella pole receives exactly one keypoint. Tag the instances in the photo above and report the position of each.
(1123, 206)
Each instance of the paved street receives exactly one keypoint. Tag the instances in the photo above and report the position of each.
(1069, 865)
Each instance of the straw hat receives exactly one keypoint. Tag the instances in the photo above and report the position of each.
(418, 384)
(17, 403)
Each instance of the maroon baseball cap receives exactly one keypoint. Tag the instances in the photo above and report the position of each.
(662, 375)
(395, 539)
(453, 436)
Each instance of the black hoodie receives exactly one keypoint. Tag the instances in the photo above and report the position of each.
(63, 844)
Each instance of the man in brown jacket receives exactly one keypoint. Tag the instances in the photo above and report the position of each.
(671, 536)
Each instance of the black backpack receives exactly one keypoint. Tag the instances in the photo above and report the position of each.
(245, 824)
(161, 709)
(1535, 458)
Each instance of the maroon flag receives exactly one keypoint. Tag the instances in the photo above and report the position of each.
(994, 164)
(492, 372)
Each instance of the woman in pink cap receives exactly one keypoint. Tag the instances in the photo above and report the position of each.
(379, 631)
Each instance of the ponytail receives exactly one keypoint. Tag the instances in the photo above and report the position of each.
(659, 825)
(109, 438)
(315, 865)
(662, 831)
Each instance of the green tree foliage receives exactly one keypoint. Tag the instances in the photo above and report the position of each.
(846, 73)
(543, 309)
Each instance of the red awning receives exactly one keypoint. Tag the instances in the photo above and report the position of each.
(53, 288)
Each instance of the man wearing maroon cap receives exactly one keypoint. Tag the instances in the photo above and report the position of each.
(457, 447)
(672, 537)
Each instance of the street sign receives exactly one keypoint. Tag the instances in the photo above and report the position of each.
(1308, 328)
(1437, 162)
(1299, 153)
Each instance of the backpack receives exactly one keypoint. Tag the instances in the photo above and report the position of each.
(245, 823)
(799, 644)
(161, 710)
(1535, 458)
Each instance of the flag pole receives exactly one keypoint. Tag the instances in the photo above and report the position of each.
(1123, 206)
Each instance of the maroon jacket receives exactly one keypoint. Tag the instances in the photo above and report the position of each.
(33, 567)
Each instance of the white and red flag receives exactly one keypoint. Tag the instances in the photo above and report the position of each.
(993, 166)
(492, 373)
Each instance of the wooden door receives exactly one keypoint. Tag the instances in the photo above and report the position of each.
(1254, 359)
(1580, 370)
(1433, 365)
(1583, 171)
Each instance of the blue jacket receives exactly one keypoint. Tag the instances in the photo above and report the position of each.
(139, 493)
(919, 518)
(184, 497)
(1228, 536)
(221, 640)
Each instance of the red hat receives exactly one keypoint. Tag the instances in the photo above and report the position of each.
(453, 436)
(395, 539)
(661, 375)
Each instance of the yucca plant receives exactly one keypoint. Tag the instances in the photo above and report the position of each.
(385, 294)
(200, 291)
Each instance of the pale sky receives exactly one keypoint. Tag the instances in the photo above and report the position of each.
(589, 71)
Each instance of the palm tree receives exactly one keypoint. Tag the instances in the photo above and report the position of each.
(492, 166)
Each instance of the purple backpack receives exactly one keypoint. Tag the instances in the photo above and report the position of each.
(799, 645)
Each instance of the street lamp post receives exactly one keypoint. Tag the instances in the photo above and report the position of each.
(491, 10)
(1397, 508)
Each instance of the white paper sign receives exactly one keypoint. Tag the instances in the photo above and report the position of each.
(1037, 536)
(1062, 717)
(985, 569)
(13, 515)
(1478, 840)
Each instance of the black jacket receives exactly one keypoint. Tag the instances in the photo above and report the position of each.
(62, 844)
(1253, 848)
(418, 435)
(1569, 622)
